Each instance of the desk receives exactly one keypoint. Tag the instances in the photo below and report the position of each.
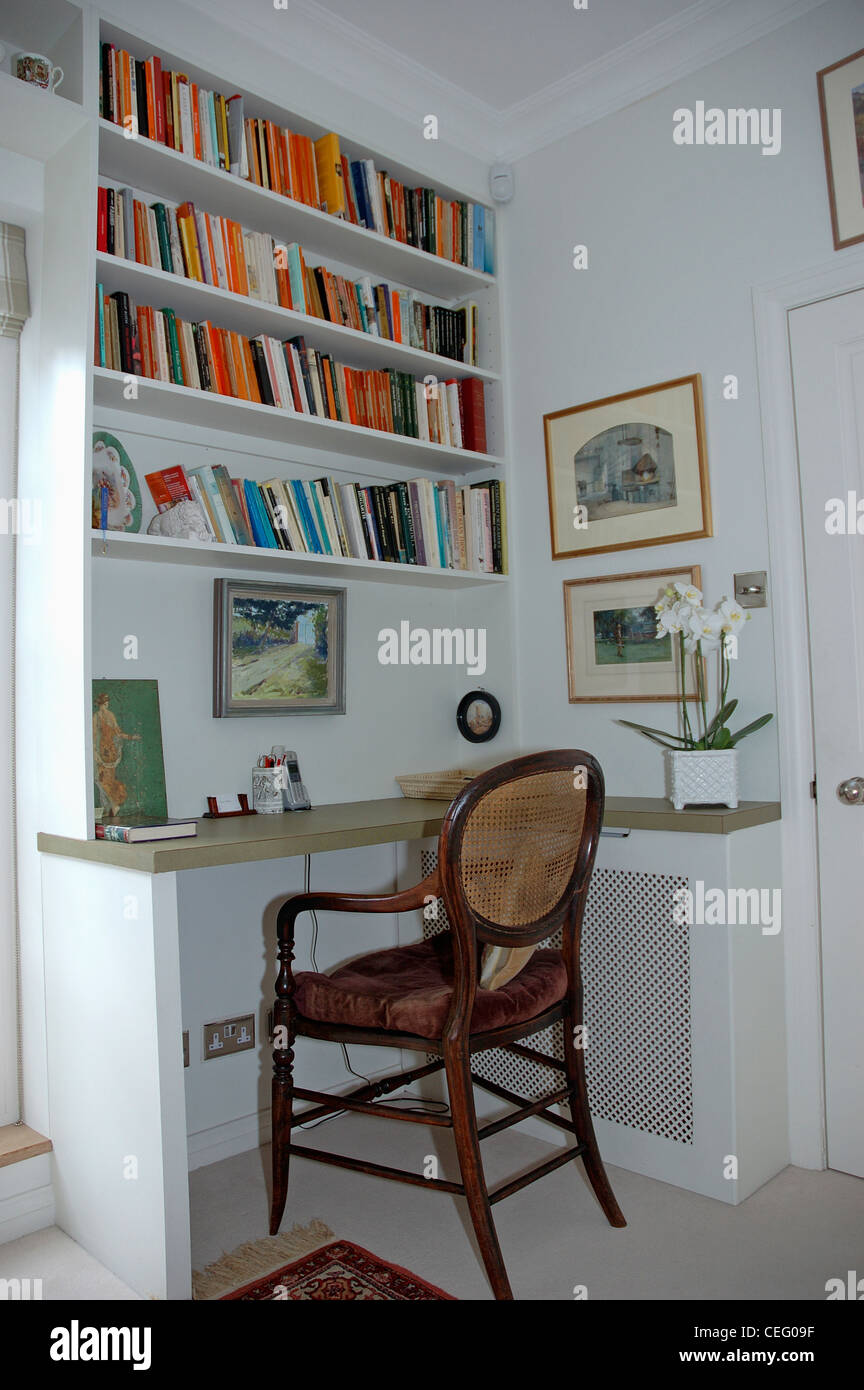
(112, 919)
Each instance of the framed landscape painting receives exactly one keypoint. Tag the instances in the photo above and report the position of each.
(841, 105)
(278, 649)
(613, 652)
(630, 470)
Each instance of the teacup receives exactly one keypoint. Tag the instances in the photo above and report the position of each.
(38, 70)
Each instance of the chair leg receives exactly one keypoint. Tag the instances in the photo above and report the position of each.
(281, 1114)
(282, 1091)
(574, 1058)
(461, 1090)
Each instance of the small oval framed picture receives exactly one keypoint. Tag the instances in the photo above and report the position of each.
(478, 716)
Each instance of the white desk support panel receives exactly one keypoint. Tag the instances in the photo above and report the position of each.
(114, 1019)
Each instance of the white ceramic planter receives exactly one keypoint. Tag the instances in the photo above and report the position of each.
(703, 778)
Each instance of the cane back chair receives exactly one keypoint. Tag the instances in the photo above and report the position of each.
(515, 856)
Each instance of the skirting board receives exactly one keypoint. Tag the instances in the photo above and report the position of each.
(26, 1198)
(238, 1136)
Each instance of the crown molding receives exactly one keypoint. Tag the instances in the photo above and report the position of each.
(341, 52)
(703, 34)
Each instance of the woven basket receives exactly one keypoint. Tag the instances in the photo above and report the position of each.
(438, 786)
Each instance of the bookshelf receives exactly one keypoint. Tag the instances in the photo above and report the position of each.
(82, 150)
(246, 558)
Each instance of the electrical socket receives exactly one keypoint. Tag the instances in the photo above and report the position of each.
(228, 1035)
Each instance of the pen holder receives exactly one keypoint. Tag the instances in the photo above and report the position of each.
(267, 784)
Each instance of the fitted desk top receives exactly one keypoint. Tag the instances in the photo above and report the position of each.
(345, 825)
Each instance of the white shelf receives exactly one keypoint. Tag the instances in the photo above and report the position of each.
(206, 410)
(153, 167)
(165, 550)
(193, 300)
(33, 122)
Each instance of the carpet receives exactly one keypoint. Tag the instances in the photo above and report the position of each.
(340, 1272)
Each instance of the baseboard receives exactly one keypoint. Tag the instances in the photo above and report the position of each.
(26, 1198)
(247, 1132)
(224, 1141)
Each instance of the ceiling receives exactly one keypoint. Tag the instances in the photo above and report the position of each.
(472, 43)
(506, 76)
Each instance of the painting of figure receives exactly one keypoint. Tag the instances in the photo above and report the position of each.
(128, 766)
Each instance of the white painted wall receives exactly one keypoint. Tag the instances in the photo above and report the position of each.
(677, 237)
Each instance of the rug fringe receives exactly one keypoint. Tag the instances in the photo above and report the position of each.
(257, 1258)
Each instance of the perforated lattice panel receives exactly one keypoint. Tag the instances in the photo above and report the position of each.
(636, 973)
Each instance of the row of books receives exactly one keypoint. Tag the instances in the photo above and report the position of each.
(167, 106)
(218, 251)
(156, 343)
(439, 524)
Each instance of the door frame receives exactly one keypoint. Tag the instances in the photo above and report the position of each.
(804, 1039)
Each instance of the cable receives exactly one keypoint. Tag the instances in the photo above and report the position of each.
(414, 1105)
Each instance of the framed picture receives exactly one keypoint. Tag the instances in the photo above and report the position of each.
(478, 717)
(128, 767)
(613, 652)
(628, 471)
(277, 649)
(841, 104)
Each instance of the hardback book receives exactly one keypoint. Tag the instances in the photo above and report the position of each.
(135, 831)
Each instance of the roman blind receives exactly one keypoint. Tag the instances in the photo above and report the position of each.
(14, 298)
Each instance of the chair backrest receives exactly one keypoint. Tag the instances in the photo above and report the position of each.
(516, 852)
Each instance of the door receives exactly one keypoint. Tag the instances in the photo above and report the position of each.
(827, 345)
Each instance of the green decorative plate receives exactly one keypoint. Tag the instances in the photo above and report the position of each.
(113, 466)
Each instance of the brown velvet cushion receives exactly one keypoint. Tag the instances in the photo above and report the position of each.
(407, 989)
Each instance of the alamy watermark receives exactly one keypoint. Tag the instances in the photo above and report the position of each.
(439, 646)
(736, 126)
(722, 907)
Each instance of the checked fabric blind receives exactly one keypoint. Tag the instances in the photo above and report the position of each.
(14, 297)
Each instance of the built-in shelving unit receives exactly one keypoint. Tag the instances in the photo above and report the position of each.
(155, 172)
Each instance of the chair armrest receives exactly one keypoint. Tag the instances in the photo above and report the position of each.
(406, 901)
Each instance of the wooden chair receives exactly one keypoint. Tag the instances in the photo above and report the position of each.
(514, 861)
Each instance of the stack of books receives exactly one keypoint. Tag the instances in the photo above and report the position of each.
(218, 251)
(156, 343)
(147, 100)
(443, 525)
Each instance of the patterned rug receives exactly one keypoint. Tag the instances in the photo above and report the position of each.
(340, 1272)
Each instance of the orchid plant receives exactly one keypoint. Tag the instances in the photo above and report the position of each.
(700, 632)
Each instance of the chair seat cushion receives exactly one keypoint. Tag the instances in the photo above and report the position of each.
(407, 989)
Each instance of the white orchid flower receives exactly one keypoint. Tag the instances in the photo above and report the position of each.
(673, 619)
(689, 594)
(732, 617)
(705, 628)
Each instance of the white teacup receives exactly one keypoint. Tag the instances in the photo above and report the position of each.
(38, 70)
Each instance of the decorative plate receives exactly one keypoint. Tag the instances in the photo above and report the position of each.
(112, 467)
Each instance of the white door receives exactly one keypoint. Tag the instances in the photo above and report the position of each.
(827, 344)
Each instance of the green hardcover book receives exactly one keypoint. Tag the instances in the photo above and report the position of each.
(100, 311)
(173, 343)
(411, 398)
(164, 237)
